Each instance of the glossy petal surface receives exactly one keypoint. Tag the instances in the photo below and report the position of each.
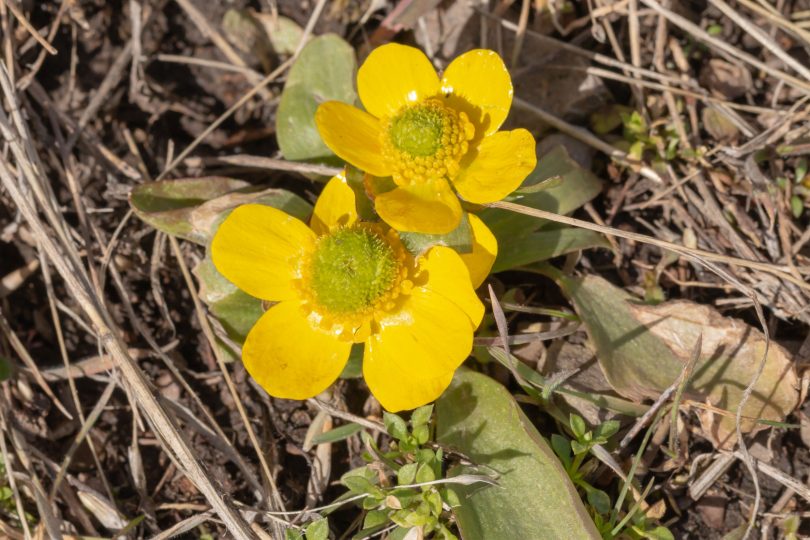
(484, 251)
(478, 79)
(353, 135)
(393, 76)
(257, 248)
(430, 208)
(412, 359)
(497, 167)
(336, 206)
(288, 357)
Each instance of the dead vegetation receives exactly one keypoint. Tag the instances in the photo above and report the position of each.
(120, 415)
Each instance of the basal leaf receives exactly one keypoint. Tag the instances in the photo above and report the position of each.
(545, 244)
(642, 350)
(167, 204)
(459, 239)
(192, 208)
(569, 187)
(324, 71)
(534, 497)
(237, 311)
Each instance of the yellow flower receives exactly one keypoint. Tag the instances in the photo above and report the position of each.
(424, 131)
(342, 281)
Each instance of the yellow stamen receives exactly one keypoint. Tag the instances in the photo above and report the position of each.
(351, 276)
(425, 142)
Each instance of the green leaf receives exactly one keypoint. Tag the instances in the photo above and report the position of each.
(577, 187)
(796, 206)
(324, 71)
(434, 501)
(5, 368)
(662, 533)
(579, 448)
(460, 239)
(395, 425)
(424, 473)
(578, 427)
(375, 518)
(338, 434)
(406, 474)
(562, 447)
(192, 208)
(598, 499)
(166, 205)
(543, 245)
(480, 418)
(236, 310)
(421, 416)
(318, 530)
(400, 533)
(607, 429)
(800, 169)
(421, 434)
(360, 485)
(354, 365)
(643, 349)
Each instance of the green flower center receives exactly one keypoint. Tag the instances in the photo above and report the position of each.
(351, 269)
(425, 142)
(418, 130)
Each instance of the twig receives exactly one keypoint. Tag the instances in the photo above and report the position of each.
(78, 284)
(29, 27)
(589, 138)
(721, 45)
(691, 253)
(212, 341)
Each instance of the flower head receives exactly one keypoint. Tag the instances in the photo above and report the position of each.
(342, 281)
(427, 133)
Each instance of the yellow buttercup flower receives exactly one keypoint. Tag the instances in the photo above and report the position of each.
(425, 133)
(342, 281)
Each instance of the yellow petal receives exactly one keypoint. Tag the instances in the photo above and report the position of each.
(497, 167)
(288, 357)
(479, 79)
(430, 208)
(411, 360)
(353, 135)
(393, 76)
(484, 251)
(336, 206)
(256, 249)
(400, 390)
(448, 277)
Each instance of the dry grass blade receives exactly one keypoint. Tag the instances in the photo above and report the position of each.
(12, 281)
(87, 425)
(682, 382)
(14, 8)
(22, 352)
(692, 253)
(721, 45)
(588, 138)
(266, 163)
(78, 285)
(12, 482)
(503, 333)
(257, 88)
(757, 33)
(275, 502)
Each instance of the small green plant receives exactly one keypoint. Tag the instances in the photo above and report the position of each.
(660, 140)
(315, 530)
(573, 453)
(398, 488)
